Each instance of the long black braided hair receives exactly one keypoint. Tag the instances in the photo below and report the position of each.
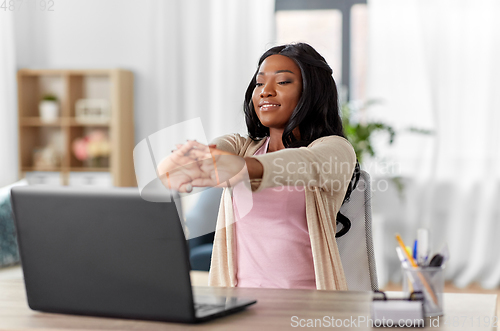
(317, 113)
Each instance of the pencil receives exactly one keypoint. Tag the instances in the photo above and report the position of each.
(412, 261)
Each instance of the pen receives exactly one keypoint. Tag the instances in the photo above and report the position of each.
(412, 261)
(415, 251)
(422, 246)
(402, 258)
(405, 265)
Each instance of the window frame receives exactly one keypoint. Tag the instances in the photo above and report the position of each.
(344, 6)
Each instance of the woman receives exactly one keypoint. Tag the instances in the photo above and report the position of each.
(301, 171)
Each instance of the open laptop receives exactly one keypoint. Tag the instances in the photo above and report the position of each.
(108, 252)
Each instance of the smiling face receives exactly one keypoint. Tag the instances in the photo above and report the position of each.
(277, 91)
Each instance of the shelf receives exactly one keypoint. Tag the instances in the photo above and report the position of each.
(75, 122)
(51, 169)
(89, 169)
(61, 121)
(36, 121)
(49, 143)
(58, 169)
(40, 72)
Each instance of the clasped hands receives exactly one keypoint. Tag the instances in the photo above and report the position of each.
(197, 165)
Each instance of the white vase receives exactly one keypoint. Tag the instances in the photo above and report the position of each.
(49, 111)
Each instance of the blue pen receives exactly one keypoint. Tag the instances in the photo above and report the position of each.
(415, 250)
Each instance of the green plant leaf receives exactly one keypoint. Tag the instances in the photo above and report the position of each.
(49, 97)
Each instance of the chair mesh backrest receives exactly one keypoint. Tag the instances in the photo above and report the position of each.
(356, 246)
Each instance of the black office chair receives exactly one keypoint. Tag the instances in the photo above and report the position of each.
(200, 222)
(356, 246)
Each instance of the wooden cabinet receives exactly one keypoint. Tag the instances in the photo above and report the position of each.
(115, 86)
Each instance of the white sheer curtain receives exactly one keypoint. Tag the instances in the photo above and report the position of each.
(435, 65)
(207, 51)
(205, 55)
(8, 111)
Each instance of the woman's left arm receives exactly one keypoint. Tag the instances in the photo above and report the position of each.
(327, 163)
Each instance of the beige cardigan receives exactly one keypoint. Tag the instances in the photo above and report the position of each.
(324, 193)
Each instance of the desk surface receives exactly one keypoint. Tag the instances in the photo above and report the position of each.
(273, 311)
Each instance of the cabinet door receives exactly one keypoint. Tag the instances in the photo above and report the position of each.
(99, 179)
(43, 178)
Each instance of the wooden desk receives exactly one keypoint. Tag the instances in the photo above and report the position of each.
(273, 311)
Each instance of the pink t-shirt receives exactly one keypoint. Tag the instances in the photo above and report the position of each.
(273, 248)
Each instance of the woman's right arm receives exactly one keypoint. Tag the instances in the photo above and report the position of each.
(327, 163)
(232, 143)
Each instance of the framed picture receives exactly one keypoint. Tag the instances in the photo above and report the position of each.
(92, 110)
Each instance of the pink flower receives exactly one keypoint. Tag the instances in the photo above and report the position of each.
(97, 135)
(80, 149)
(94, 144)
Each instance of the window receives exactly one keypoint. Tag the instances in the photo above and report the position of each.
(338, 30)
(322, 29)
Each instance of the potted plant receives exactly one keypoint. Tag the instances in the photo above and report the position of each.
(360, 134)
(49, 108)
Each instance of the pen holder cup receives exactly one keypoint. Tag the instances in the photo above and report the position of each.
(428, 280)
